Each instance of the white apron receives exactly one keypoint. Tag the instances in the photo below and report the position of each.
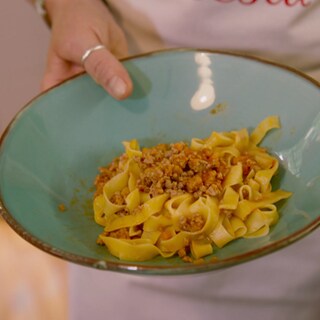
(286, 31)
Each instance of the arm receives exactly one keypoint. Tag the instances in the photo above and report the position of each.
(78, 25)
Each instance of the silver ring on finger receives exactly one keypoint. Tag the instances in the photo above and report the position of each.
(88, 52)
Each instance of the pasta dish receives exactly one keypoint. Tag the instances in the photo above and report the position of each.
(187, 199)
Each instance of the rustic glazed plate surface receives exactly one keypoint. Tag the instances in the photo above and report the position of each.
(50, 153)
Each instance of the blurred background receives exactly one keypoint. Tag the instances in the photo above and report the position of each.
(33, 284)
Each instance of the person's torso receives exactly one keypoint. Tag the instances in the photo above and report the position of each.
(286, 31)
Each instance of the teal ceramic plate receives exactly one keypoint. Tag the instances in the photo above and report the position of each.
(50, 152)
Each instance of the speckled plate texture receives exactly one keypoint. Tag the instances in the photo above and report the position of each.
(51, 151)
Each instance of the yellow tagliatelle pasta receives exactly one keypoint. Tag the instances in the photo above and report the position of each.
(179, 199)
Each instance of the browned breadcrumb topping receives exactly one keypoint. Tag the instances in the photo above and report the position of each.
(193, 223)
(247, 163)
(62, 207)
(122, 233)
(174, 169)
(106, 173)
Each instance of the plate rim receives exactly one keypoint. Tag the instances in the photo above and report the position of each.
(149, 269)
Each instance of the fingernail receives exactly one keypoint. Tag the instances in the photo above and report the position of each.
(117, 87)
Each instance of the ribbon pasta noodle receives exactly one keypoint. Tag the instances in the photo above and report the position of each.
(179, 199)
